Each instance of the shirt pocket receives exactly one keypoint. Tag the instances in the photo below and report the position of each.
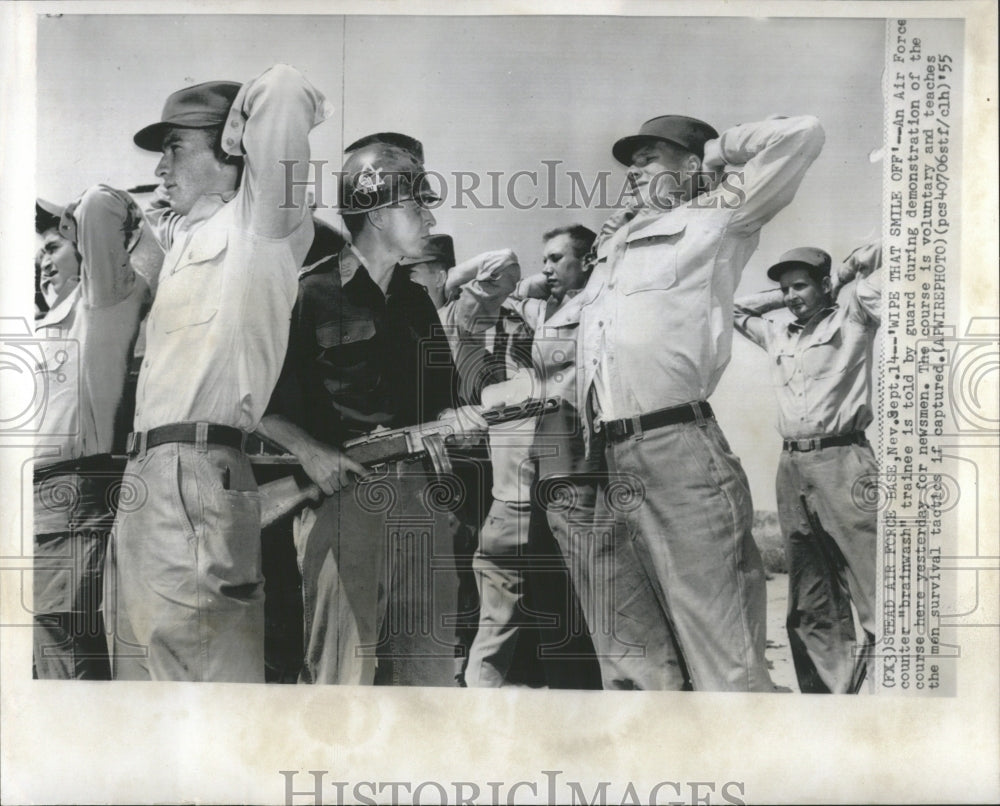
(832, 353)
(783, 368)
(652, 258)
(193, 291)
(348, 331)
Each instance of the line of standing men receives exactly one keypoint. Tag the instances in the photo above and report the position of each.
(672, 582)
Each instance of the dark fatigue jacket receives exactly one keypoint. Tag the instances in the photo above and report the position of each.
(358, 358)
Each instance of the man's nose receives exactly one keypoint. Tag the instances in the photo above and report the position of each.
(161, 167)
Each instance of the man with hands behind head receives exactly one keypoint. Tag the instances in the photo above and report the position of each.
(821, 366)
(656, 335)
(185, 596)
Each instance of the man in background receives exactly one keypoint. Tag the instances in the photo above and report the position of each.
(468, 298)
(93, 301)
(821, 366)
(522, 578)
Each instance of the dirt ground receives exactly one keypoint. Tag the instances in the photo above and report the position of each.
(779, 654)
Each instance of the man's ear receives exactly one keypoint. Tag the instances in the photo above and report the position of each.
(827, 285)
(376, 217)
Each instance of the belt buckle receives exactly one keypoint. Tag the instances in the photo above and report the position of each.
(805, 445)
(614, 429)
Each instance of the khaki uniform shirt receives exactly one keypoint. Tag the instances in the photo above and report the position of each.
(218, 330)
(85, 340)
(656, 316)
(821, 369)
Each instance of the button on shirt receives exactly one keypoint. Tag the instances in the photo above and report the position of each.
(656, 317)
(821, 369)
(358, 359)
(85, 340)
(218, 329)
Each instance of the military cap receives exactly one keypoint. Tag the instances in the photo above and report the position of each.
(199, 107)
(439, 249)
(380, 174)
(690, 134)
(47, 216)
(805, 257)
(404, 141)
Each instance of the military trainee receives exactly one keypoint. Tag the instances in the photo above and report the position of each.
(656, 333)
(94, 301)
(566, 478)
(821, 372)
(185, 589)
(468, 298)
(514, 567)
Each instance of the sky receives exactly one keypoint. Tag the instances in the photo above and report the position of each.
(501, 95)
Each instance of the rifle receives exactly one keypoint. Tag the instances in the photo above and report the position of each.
(280, 497)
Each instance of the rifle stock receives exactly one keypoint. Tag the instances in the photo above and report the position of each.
(283, 496)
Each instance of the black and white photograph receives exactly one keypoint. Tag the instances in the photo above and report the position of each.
(484, 405)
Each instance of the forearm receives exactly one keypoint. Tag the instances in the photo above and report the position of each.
(533, 287)
(748, 314)
(761, 303)
(788, 135)
(772, 157)
(269, 125)
(104, 221)
(486, 280)
(869, 294)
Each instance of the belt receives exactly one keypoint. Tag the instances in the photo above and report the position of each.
(816, 443)
(617, 430)
(190, 433)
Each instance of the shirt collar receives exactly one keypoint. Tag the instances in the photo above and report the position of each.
(208, 205)
(795, 326)
(58, 313)
(352, 266)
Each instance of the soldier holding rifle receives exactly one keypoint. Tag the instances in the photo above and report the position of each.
(366, 351)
